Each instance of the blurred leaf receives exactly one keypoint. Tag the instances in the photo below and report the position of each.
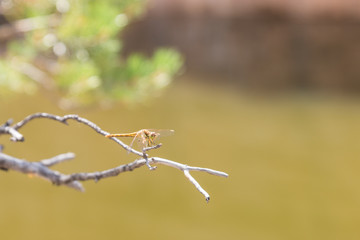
(75, 45)
(12, 81)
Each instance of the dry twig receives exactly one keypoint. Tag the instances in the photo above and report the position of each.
(41, 168)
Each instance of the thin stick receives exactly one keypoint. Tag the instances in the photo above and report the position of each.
(57, 159)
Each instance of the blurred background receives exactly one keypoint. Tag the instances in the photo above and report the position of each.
(267, 91)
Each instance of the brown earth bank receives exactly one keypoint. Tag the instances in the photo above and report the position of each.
(267, 47)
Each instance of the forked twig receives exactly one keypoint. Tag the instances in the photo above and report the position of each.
(146, 157)
(42, 168)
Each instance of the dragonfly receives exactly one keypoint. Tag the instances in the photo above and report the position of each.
(145, 137)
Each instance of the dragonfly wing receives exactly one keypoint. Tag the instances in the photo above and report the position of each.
(163, 132)
(159, 134)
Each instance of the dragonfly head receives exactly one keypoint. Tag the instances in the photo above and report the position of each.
(153, 135)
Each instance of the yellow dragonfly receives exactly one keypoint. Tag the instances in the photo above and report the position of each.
(144, 137)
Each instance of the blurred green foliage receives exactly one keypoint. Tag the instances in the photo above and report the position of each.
(72, 47)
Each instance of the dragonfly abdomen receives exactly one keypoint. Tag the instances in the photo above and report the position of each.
(120, 135)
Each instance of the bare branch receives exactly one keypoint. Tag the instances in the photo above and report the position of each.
(34, 168)
(186, 169)
(151, 148)
(146, 157)
(183, 167)
(78, 119)
(6, 129)
(42, 169)
(57, 159)
(197, 185)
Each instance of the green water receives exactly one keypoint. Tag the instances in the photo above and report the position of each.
(293, 163)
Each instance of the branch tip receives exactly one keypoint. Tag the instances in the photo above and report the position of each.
(57, 159)
(151, 148)
(8, 123)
